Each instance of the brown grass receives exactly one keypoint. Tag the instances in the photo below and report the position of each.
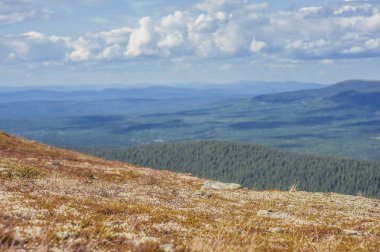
(71, 202)
(11, 169)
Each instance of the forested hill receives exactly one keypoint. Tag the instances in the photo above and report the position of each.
(254, 166)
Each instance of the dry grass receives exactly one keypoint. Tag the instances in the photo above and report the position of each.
(293, 187)
(11, 170)
(61, 200)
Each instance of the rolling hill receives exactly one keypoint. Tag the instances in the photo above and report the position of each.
(238, 89)
(54, 199)
(338, 120)
(254, 166)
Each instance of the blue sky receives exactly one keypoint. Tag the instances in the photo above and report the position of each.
(70, 42)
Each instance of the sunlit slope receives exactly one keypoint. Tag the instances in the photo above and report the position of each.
(56, 199)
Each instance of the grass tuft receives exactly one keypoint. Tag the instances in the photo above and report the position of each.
(293, 188)
(12, 170)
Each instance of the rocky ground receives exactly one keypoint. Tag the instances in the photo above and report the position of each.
(54, 200)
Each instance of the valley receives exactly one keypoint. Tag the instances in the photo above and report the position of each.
(338, 120)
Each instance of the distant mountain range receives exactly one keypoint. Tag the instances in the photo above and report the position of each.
(336, 120)
(238, 89)
(32, 103)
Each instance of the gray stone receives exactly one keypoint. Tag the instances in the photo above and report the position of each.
(233, 186)
(271, 214)
(351, 232)
(221, 186)
(275, 230)
(168, 247)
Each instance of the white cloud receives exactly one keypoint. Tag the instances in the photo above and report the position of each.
(213, 6)
(362, 9)
(309, 11)
(372, 23)
(218, 29)
(257, 46)
(373, 44)
(16, 11)
(307, 45)
(115, 36)
(18, 49)
(11, 18)
(232, 39)
(178, 20)
(172, 40)
(106, 45)
(142, 39)
(34, 35)
(111, 52)
(81, 50)
(203, 44)
(100, 20)
(258, 7)
(226, 67)
(204, 24)
(353, 50)
(33, 46)
(327, 61)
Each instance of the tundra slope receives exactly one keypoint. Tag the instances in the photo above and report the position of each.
(58, 199)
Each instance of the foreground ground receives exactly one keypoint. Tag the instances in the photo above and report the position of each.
(52, 200)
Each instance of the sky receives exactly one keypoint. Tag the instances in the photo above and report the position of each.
(127, 42)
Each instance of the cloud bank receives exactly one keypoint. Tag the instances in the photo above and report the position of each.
(210, 29)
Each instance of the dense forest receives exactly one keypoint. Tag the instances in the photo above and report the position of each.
(254, 166)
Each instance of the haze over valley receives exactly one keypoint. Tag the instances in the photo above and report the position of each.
(336, 120)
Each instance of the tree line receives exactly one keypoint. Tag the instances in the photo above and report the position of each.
(254, 166)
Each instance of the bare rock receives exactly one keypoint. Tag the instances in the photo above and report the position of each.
(350, 232)
(233, 186)
(271, 214)
(221, 186)
(263, 213)
(168, 247)
(275, 230)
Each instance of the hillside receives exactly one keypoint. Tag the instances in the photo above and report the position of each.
(53, 199)
(40, 103)
(340, 119)
(116, 116)
(359, 86)
(191, 90)
(254, 166)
